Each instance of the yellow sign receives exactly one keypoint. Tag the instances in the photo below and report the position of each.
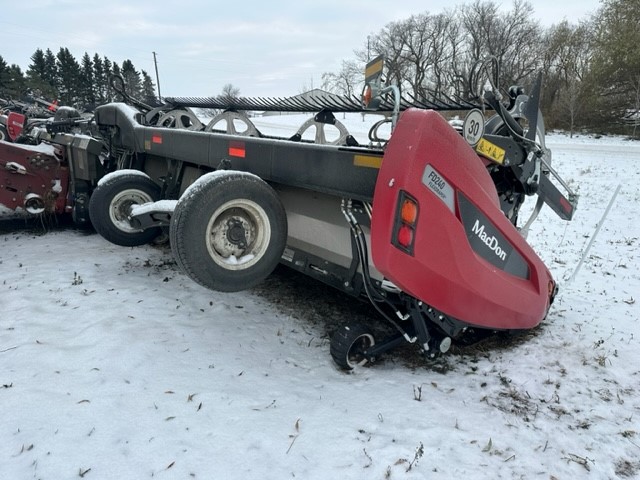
(367, 161)
(374, 68)
(491, 151)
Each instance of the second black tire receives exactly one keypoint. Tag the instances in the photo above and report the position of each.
(111, 202)
(228, 231)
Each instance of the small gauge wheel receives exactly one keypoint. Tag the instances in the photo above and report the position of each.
(349, 345)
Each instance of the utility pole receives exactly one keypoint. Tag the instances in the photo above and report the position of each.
(155, 62)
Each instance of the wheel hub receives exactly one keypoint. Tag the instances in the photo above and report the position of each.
(236, 233)
(120, 208)
(233, 233)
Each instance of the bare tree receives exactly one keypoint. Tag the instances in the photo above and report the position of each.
(513, 38)
(567, 62)
(229, 92)
(346, 81)
(446, 72)
(419, 52)
(425, 42)
(390, 42)
(616, 59)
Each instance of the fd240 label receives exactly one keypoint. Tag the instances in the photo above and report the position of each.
(439, 186)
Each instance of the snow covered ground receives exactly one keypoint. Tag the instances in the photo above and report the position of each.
(114, 365)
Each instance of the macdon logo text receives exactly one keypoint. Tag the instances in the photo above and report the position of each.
(489, 241)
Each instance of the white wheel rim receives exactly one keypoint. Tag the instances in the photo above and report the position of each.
(120, 208)
(238, 234)
(356, 359)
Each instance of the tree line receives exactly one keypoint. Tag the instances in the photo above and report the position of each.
(82, 84)
(591, 69)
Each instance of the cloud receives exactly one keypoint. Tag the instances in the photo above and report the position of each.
(203, 45)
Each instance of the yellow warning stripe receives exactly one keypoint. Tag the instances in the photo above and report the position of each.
(374, 68)
(367, 161)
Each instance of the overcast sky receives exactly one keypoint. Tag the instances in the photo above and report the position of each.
(264, 48)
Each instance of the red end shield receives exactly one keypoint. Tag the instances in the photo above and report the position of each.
(467, 260)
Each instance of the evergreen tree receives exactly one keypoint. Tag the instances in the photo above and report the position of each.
(68, 77)
(108, 71)
(12, 81)
(60, 77)
(87, 83)
(115, 70)
(37, 75)
(133, 85)
(99, 79)
(148, 90)
(16, 84)
(38, 66)
(4, 79)
(51, 68)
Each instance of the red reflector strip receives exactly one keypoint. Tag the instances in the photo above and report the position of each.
(157, 139)
(566, 206)
(237, 149)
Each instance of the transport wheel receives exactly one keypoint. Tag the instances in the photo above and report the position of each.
(228, 231)
(110, 204)
(349, 343)
(3, 134)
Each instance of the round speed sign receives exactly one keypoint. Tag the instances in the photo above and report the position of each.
(473, 127)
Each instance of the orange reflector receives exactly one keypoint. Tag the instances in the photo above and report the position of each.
(409, 211)
(157, 139)
(405, 236)
(366, 96)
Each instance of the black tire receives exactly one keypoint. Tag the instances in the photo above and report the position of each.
(228, 231)
(348, 344)
(3, 134)
(110, 204)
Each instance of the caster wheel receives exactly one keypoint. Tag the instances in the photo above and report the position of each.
(349, 345)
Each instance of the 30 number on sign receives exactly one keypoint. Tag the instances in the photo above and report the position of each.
(473, 127)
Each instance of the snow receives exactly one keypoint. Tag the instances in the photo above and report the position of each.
(42, 148)
(121, 173)
(130, 112)
(204, 180)
(57, 186)
(166, 206)
(233, 260)
(116, 365)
